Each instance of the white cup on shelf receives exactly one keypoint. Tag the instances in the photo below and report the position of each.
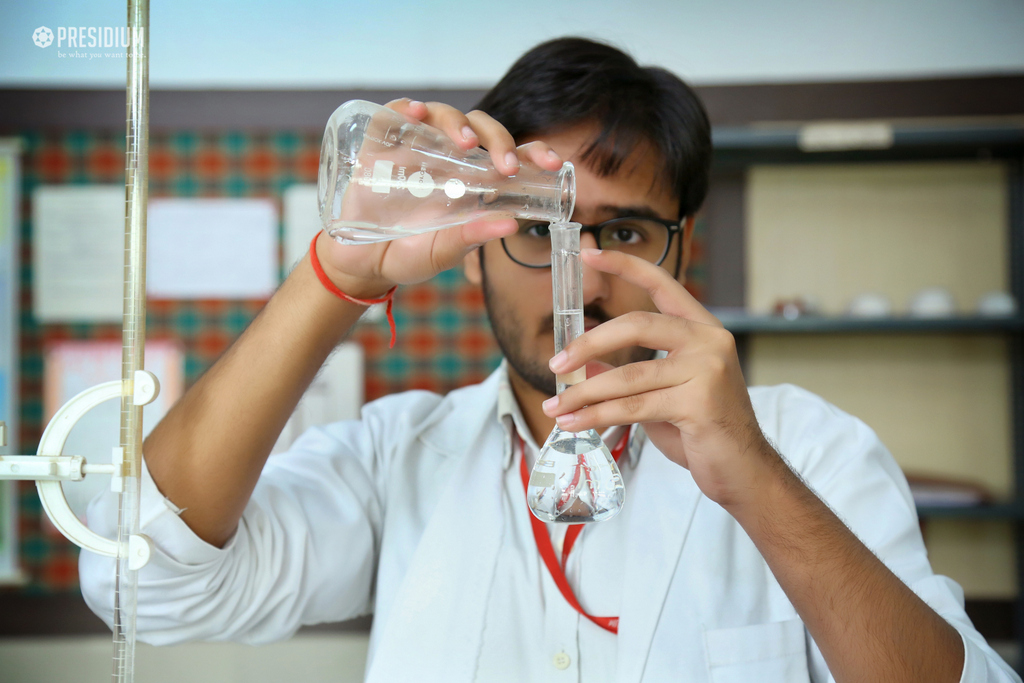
(870, 305)
(933, 302)
(996, 305)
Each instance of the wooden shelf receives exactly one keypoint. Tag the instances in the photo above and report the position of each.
(740, 323)
(1008, 511)
(738, 146)
(864, 141)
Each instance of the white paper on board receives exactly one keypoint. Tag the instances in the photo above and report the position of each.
(10, 221)
(78, 253)
(212, 249)
(301, 222)
(335, 394)
(8, 499)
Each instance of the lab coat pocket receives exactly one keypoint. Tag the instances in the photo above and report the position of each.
(768, 653)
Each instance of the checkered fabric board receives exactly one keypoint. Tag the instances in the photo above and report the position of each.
(444, 340)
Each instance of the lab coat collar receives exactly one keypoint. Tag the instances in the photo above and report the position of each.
(512, 421)
(510, 415)
(472, 413)
(664, 500)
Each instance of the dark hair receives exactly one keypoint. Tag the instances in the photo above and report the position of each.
(569, 81)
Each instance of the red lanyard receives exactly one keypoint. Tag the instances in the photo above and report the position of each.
(547, 551)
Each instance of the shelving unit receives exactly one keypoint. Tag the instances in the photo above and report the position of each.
(1012, 511)
(741, 146)
(766, 324)
(737, 148)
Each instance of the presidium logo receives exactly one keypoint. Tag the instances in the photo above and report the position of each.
(42, 36)
(82, 37)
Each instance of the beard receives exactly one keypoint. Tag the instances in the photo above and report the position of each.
(511, 331)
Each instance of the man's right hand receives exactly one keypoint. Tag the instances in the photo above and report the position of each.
(370, 270)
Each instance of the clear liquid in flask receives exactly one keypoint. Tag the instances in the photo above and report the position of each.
(575, 479)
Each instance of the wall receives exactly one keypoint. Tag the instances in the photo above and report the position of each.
(940, 403)
(404, 43)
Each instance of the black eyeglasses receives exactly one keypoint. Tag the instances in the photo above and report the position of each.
(648, 238)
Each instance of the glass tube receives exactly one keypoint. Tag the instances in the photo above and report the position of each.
(133, 332)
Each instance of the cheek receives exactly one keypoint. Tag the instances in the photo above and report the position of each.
(526, 293)
(534, 297)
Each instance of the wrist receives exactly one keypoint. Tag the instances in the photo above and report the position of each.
(356, 286)
(767, 475)
(361, 299)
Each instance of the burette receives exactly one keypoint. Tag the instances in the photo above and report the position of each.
(133, 335)
(136, 388)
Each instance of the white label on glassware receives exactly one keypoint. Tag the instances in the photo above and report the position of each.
(420, 184)
(454, 188)
(542, 479)
(382, 176)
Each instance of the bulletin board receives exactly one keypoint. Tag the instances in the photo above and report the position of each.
(9, 304)
(444, 340)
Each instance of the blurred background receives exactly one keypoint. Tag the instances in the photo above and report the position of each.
(863, 238)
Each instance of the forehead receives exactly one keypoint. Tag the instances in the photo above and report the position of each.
(637, 182)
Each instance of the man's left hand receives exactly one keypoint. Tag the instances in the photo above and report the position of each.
(693, 403)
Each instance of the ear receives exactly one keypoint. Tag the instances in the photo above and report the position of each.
(471, 266)
(687, 237)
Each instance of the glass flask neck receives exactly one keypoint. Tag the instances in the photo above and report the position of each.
(567, 194)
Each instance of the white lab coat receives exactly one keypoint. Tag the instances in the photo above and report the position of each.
(396, 514)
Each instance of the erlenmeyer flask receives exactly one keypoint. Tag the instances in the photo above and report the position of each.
(384, 176)
(575, 478)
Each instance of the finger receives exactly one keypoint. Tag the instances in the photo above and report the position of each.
(665, 291)
(653, 406)
(444, 117)
(597, 367)
(496, 140)
(541, 154)
(638, 328)
(634, 378)
(408, 107)
(454, 123)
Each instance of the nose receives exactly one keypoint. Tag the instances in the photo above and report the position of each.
(595, 283)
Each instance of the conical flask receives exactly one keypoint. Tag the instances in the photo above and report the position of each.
(383, 176)
(575, 478)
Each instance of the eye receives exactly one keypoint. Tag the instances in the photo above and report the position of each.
(625, 234)
(539, 230)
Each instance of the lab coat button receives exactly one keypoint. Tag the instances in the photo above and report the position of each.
(562, 661)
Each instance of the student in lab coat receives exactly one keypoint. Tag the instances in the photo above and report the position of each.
(725, 564)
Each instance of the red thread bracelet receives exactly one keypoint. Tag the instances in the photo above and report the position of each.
(388, 298)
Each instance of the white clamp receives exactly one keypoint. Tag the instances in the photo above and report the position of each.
(49, 467)
(42, 468)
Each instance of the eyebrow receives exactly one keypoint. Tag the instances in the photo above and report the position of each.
(641, 211)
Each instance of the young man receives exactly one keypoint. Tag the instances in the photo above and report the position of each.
(724, 564)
